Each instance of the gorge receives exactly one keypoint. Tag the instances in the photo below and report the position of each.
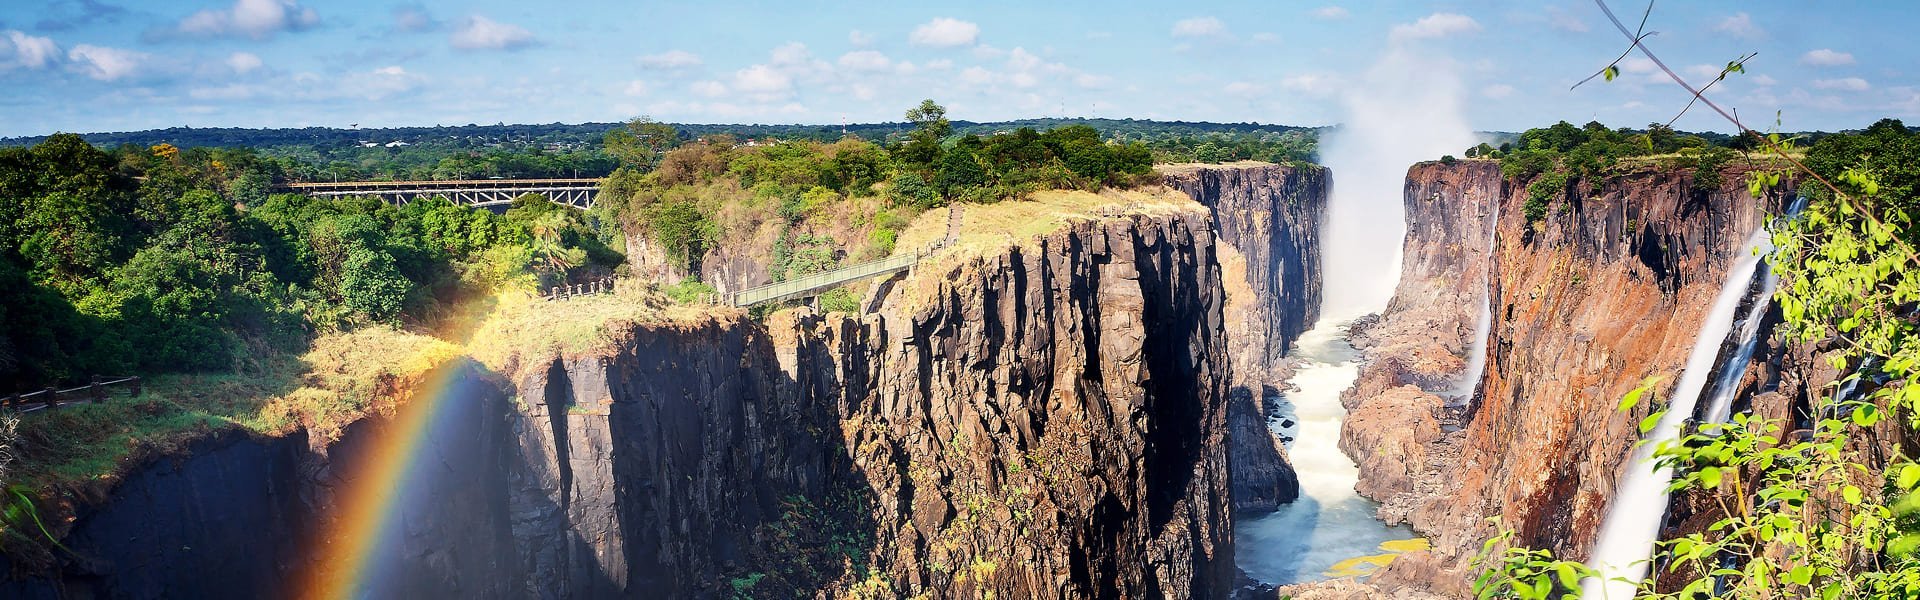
(1140, 395)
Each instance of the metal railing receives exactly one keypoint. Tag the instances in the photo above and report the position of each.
(95, 392)
(812, 285)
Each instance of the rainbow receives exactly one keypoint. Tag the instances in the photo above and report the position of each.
(367, 525)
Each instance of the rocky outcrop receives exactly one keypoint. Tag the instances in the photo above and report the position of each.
(1043, 421)
(1608, 288)
(1268, 219)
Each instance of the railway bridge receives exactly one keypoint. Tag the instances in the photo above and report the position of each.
(577, 193)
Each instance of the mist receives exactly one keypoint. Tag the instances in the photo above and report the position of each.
(1408, 107)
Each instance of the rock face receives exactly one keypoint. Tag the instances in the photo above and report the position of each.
(1047, 421)
(1269, 219)
(1607, 289)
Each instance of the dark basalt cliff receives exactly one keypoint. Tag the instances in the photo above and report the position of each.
(1043, 421)
(1269, 219)
(1608, 288)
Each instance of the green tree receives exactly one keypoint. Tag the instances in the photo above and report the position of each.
(640, 142)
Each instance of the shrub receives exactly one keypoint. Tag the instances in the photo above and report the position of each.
(689, 290)
(1544, 191)
(839, 300)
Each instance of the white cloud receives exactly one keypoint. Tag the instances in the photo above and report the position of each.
(1436, 25)
(1242, 88)
(1848, 84)
(379, 83)
(243, 62)
(865, 60)
(791, 54)
(939, 65)
(21, 50)
(976, 76)
(1331, 12)
(105, 64)
(710, 89)
(1311, 84)
(1826, 57)
(1265, 37)
(1200, 27)
(762, 79)
(1739, 25)
(257, 19)
(481, 33)
(945, 32)
(859, 38)
(635, 88)
(670, 60)
(1497, 91)
(1764, 81)
(1092, 82)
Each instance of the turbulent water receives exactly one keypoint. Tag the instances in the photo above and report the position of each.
(1330, 524)
(1468, 385)
(1639, 503)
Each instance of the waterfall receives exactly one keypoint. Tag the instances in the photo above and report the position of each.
(1469, 383)
(1727, 381)
(1640, 501)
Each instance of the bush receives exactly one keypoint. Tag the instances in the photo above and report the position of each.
(839, 300)
(689, 290)
(1542, 192)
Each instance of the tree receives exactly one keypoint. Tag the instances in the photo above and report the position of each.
(923, 143)
(640, 142)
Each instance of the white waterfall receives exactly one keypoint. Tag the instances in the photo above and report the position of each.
(1727, 381)
(1639, 503)
(1469, 382)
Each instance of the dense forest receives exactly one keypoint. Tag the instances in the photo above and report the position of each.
(158, 259)
(560, 150)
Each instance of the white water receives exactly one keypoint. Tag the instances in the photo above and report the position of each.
(1726, 383)
(1640, 501)
(1469, 382)
(1330, 523)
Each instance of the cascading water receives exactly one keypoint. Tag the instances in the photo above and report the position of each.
(1468, 385)
(1405, 109)
(1329, 524)
(1726, 382)
(1639, 503)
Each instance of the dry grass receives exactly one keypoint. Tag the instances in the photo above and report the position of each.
(1182, 168)
(991, 229)
(526, 330)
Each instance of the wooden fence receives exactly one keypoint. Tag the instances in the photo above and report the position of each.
(53, 397)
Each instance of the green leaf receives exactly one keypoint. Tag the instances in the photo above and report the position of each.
(1801, 575)
(1611, 72)
(1710, 478)
(1909, 475)
(1852, 494)
(1652, 420)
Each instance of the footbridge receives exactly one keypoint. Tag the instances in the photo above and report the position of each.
(577, 193)
(808, 286)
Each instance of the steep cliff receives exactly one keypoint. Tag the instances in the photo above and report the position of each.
(1039, 415)
(1608, 288)
(1268, 219)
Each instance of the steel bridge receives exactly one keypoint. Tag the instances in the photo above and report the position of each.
(577, 193)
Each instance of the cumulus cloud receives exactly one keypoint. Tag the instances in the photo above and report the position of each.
(1497, 91)
(105, 64)
(945, 32)
(710, 89)
(671, 60)
(864, 60)
(1764, 80)
(859, 38)
(762, 79)
(1436, 25)
(1826, 57)
(1266, 37)
(379, 83)
(1311, 84)
(19, 50)
(1242, 88)
(243, 62)
(1562, 20)
(1845, 84)
(1331, 12)
(1200, 27)
(257, 19)
(481, 33)
(635, 88)
(1739, 25)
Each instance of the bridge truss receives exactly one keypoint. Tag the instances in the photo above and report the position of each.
(577, 193)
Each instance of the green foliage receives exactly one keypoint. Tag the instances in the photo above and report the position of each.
(1818, 512)
(640, 142)
(1522, 573)
(682, 230)
(1541, 193)
(689, 291)
(840, 300)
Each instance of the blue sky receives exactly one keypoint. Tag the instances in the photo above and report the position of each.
(110, 65)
